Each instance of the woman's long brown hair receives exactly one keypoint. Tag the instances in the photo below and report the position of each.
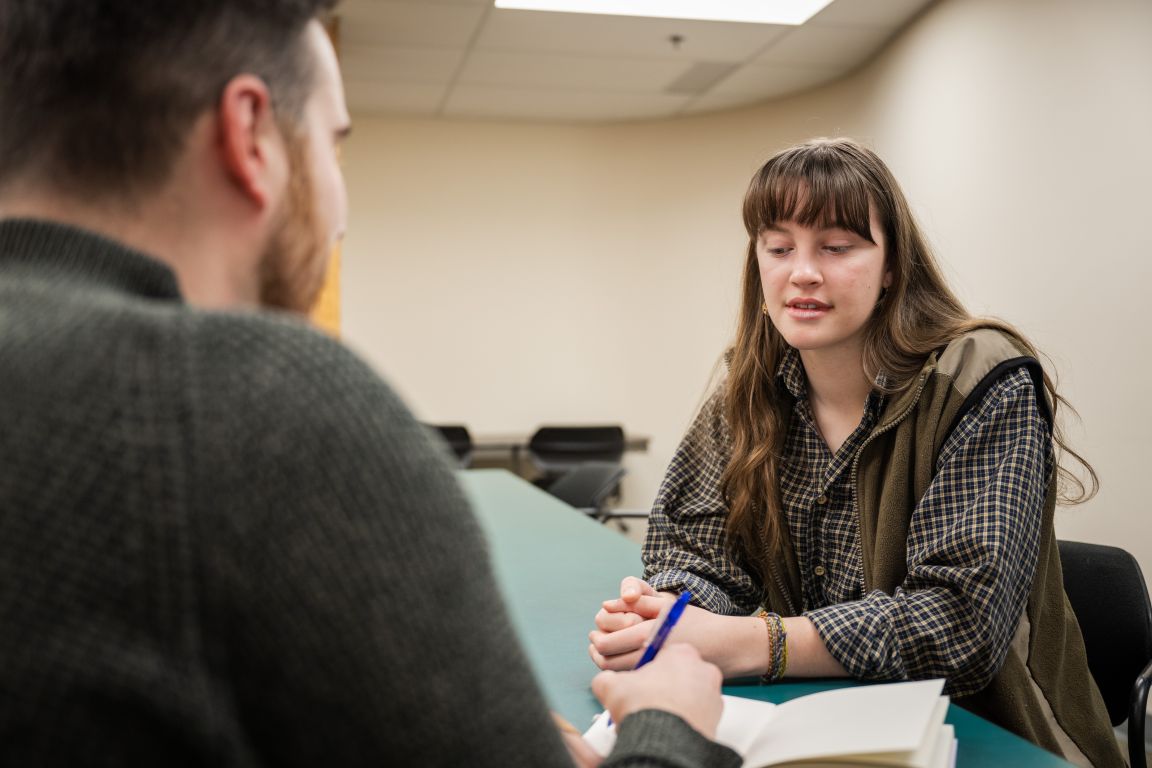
(836, 183)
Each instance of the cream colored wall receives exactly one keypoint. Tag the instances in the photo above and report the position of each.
(1022, 131)
(508, 274)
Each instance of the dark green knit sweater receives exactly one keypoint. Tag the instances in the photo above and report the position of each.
(224, 541)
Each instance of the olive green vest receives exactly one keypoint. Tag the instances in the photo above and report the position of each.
(1044, 691)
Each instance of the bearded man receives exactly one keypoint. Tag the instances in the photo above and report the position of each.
(223, 540)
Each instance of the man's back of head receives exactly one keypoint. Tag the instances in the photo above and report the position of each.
(98, 95)
(200, 132)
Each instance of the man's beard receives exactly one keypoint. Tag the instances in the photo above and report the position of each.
(293, 265)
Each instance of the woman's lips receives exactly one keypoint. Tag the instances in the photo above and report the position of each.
(807, 308)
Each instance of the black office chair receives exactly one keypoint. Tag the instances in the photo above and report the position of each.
(1110, 598)
(588, 486)
(554, 450)
(459, 441)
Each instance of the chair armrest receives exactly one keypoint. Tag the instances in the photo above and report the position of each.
(604, 515)
(1136, 718)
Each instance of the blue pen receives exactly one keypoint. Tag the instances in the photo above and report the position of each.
(656, 641)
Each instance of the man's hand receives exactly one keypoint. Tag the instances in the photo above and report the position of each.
(676, 681)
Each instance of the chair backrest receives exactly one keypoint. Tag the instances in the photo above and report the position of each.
(458, 438)
(558, 448)
(588, 485)
(1110, 598)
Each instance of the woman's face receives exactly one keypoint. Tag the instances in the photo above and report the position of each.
(821, 285)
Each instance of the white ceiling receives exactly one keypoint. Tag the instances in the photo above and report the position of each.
(467, 59)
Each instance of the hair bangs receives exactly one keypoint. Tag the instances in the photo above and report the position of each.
(813, 186)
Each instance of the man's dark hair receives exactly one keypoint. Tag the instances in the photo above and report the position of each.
(97, 96)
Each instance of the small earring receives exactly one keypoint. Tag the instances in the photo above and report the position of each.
(764, 308)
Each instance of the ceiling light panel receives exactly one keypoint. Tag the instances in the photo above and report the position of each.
(791, 12)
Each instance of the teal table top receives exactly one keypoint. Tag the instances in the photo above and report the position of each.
(555, 566)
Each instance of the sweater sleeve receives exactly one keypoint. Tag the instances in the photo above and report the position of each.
(349, 604)
(654, 739)
(972, 548)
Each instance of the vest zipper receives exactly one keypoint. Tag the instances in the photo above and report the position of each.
(783, 591)
(856, 465)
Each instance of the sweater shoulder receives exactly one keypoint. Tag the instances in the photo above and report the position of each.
(271, 392)
(276, 362)
(290, 425)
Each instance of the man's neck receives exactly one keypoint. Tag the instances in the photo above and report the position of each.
(115, 222)
(158, 228)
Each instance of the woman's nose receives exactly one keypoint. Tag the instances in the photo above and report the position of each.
(805, 268)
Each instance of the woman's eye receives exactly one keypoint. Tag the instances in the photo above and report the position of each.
(838, 248)
(772, 250)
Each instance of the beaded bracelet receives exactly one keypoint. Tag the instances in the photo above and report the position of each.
(777, 647)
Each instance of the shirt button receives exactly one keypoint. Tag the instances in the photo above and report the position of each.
(818, 570)
(821, 499)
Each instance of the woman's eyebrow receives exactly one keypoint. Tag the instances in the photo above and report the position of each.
(838, 228)
(830, 228)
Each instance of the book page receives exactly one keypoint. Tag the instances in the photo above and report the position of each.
(740, 724)
(873, 719)
(927, 755)
(895, 724)
(945, 755)
(601, 736)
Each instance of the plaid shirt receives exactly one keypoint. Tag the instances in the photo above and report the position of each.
(972, 542)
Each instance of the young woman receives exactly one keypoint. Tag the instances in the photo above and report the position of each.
(877, 471)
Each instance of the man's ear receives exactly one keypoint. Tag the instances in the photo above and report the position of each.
(251, 146)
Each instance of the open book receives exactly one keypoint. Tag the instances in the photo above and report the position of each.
(895, 724)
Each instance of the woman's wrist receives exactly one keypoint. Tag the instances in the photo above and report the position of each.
(740, 648)
(777, 638)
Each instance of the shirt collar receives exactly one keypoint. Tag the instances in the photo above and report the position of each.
(791, 376)
(79, 255)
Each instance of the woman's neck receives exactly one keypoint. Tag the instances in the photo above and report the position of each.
(836, 377)
(837, 392)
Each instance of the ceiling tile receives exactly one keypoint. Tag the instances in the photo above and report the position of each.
(393, 98)
(426, 66)
(869, 13)
(843, 47)
(437, 25)
(769, 81)
(711, 102)
(533, 104)
(403, 57)
(623, 36)
(570, 72)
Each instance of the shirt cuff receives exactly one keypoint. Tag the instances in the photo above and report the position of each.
(705, 594)
(860, 636)
(654, 737)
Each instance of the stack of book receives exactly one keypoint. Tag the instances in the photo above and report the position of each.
(895, 724)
